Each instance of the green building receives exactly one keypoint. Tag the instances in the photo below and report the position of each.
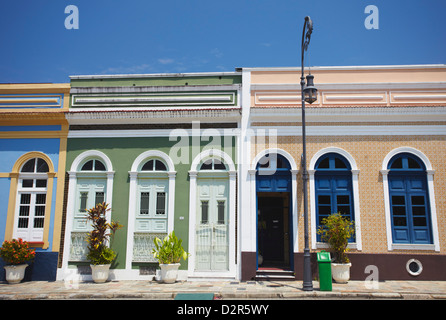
(161, 150)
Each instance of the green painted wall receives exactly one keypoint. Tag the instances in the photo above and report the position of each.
(179, 80)
(122, 153)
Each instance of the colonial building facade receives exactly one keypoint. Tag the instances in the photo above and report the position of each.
(216, 157)
(161, 150)
(33, 139)
(375, 145)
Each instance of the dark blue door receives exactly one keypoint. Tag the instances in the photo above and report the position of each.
(274, 176)
(274, 227)
(409, 200)
(333, 186)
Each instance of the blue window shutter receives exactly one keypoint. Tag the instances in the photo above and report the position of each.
(409, 200)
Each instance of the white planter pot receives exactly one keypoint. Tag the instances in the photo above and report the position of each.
(100, 272)
(169, 272)
(15, 273)
(341, 272)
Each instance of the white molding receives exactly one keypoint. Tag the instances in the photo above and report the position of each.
(211, 153)
(349, 114)
(431, 192)
(149, 133)
(134, 174)
(403, 246)
(73, 174)
(193, 175)
(387, 130)
(75, 166)
(155, 101)
(157, 89)
(406, 149)
(253, 209)
(350, 86)
(355, 191)
(352, 97)
(419, 96)
(155, 75)
(280, 151)
(333, 68)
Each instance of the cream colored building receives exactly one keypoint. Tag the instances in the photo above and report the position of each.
(375, 151)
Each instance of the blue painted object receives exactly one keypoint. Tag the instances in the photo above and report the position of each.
(409, 200)
(333, 186)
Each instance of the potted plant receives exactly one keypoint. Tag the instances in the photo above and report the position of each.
(15, 253)
(336, 230)
(169, 253)
(99, 253)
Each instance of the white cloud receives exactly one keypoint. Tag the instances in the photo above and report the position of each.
(142, 68)
(217, 53)
(166, 61)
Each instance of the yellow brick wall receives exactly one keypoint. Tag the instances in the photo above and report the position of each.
(369, 153)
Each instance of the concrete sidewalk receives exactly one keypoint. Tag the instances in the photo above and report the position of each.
(222, 290)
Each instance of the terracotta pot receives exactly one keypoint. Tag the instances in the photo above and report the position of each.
(15, 273)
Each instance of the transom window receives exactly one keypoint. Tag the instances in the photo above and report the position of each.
(93, 165)
(213, 164)
(154, 165)
(35, 165)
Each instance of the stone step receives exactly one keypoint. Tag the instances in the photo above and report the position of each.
(274, 275)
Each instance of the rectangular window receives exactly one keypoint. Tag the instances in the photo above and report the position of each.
(221, 212)
(27, 183)
(41, 183)
(161, 203)
(144, 204)
(204, 212)
(99, 197)
(84, 198)
(39, 214)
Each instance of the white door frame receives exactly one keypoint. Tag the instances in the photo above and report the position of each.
(193, 175)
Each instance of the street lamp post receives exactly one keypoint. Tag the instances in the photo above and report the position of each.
(309, 94)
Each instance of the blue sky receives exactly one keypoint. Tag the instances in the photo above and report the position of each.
(146, 36)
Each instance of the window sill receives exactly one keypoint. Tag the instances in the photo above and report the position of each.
(403, 246)
(38, 244)
(322, 245)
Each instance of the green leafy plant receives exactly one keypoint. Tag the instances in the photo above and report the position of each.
(16, 252)
(336, 230)
(169, 250)
(98, 250)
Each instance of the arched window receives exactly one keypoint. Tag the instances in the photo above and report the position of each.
(93, 165)
(152, 190)
(409, 200)
(151, 204)
(91, 180)
(31, 200)
(154, 165)
(333, 188)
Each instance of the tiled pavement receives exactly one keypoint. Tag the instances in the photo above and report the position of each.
(223, 290)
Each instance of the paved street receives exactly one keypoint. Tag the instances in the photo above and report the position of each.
(222, 290)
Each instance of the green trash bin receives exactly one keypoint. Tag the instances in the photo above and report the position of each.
(324, 265)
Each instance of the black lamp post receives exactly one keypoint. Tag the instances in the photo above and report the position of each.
(309, 94)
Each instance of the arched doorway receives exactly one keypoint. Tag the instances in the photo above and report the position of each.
(274, 219)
